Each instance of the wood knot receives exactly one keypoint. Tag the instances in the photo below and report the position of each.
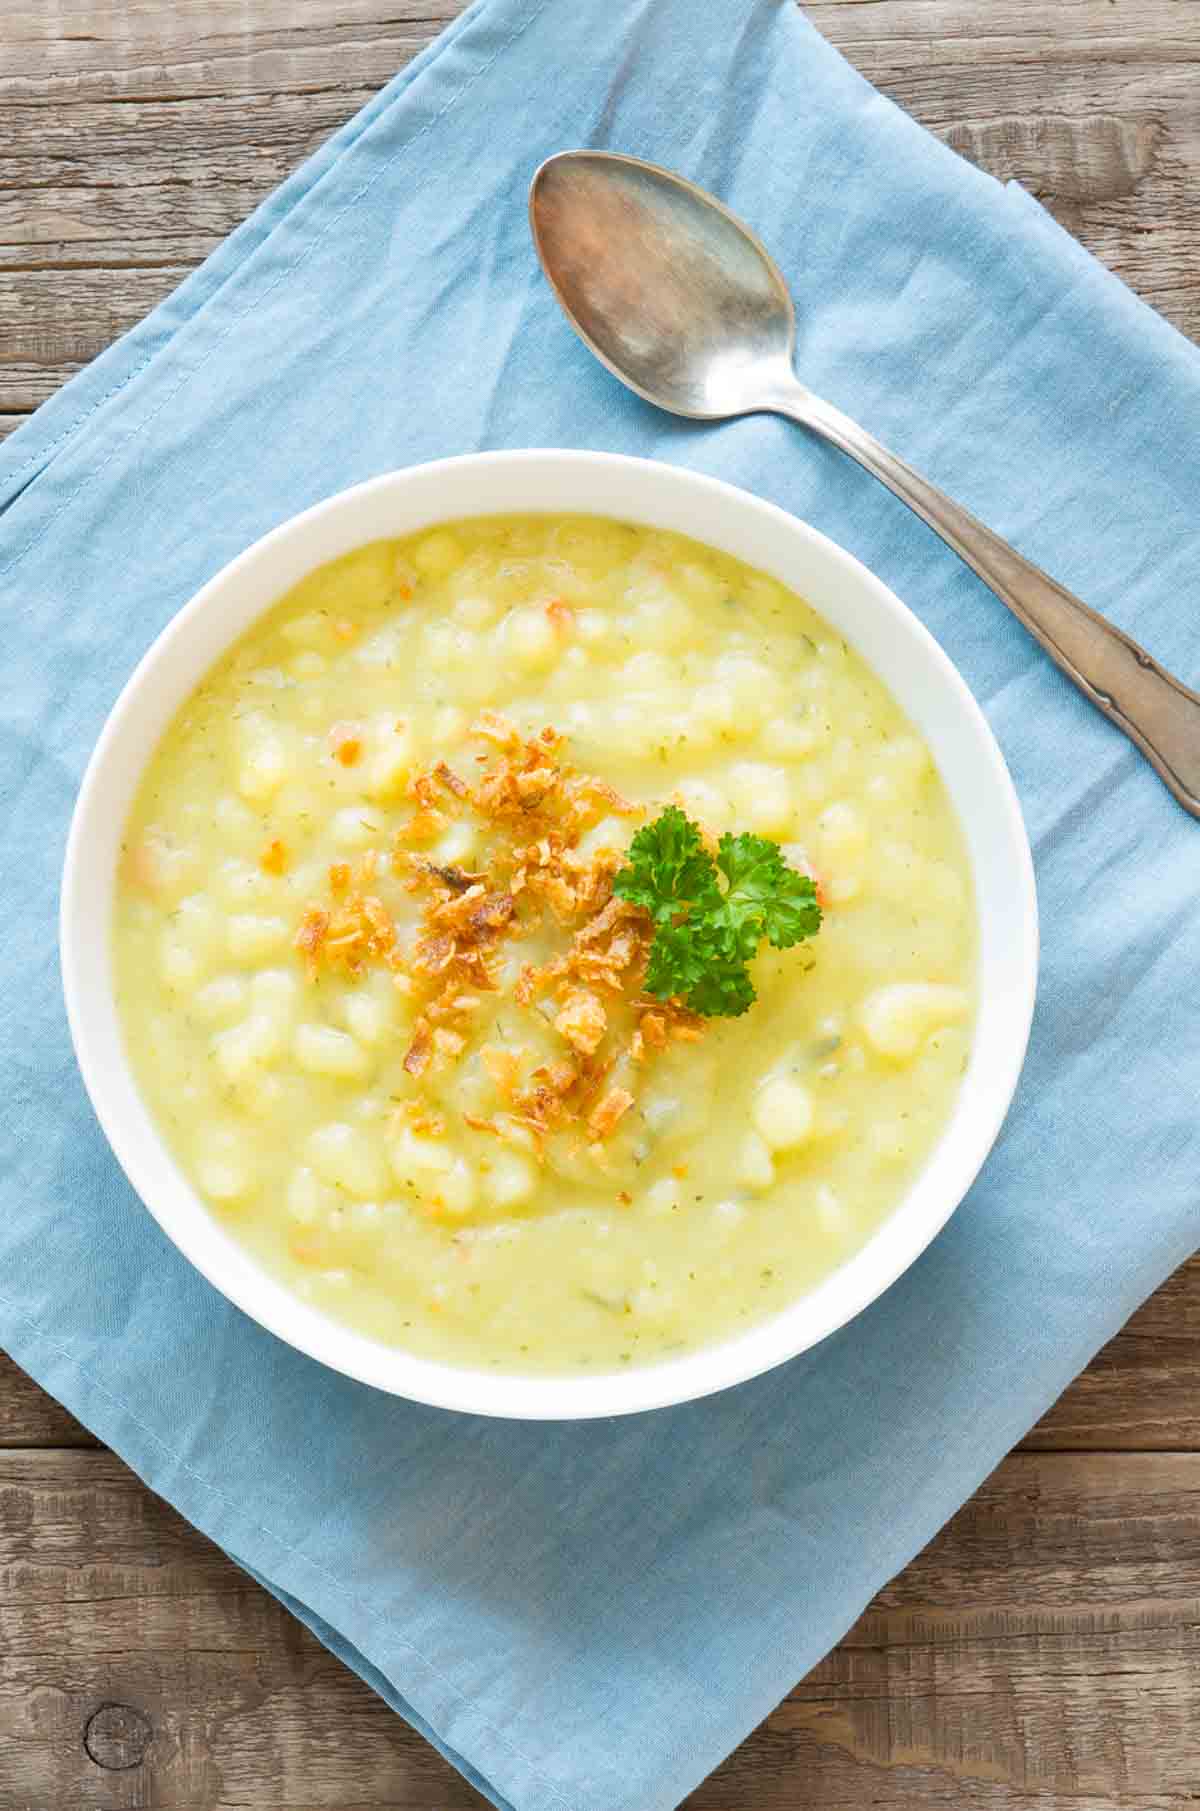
(116, 1737)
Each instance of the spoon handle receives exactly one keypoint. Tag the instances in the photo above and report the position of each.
(1154, 709)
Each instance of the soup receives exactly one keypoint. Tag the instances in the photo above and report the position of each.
(388, 990)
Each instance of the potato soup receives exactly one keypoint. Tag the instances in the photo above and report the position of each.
(391, 1010)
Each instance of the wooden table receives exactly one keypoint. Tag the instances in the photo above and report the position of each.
(1045, 1650)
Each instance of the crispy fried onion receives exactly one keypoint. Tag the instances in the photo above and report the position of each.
(533, 810)
(354, 929)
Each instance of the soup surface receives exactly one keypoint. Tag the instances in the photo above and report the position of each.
(392, 1020)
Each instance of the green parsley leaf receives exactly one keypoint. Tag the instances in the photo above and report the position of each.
(780, 903)
(706, 934)
(670, 869)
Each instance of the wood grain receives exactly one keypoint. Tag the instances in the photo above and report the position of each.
(28, 1417)
(1044, 1651)
(133, 137)
(1041, 1655)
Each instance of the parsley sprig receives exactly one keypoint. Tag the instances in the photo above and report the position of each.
(710, 916)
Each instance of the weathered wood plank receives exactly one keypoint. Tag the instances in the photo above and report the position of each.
(132, 138)
(220, 47)
(54, 321)
(28, 1417)
(1043, 1652)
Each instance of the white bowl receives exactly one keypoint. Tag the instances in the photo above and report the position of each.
(857, 604)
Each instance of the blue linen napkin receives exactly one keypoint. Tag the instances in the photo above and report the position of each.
(587, 1618)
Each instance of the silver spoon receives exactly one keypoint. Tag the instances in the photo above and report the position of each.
(684, 305)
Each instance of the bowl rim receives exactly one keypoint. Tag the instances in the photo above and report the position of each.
(231, 1270)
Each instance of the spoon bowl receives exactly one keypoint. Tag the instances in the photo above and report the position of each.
(667, 287)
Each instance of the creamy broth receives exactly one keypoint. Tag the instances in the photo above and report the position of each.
(405, 1194)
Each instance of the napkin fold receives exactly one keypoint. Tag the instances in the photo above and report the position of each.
(589, 1617)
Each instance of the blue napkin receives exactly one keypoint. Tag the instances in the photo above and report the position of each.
(587, 1618)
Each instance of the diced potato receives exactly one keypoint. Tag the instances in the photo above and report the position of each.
(438, 1175)
(475, 612)
(449, 648)
(369, 1012)
(385, 648)
(263, 770)
(358, 1228)
(276, 993)
(791, 738)
(308, 1198)
(714, 709)
(390, 763)
(412, 1155)
(783, 1112)
(595, 628)
(238, 825)
(355, 827)
(458, 844)
(457, 1189)
(259, 1093)
(242, 884)
(530, 639)
(609, 833)
(312, 630)
(225, 1168)
(323, 1050)
(897, 1018)
(755, 1167)
(247, 1047)
(843, 885)
(349, 1159)
(179, 964)
(224, 1179)
(250, 937)
(438, 555)
(511, 1180)
(664, 1197)
(220, 999)
(762, 798)
(161, 867)
(661, 619)
(841, 833)
(751, 688)
(726, 1217)
(648, 671)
